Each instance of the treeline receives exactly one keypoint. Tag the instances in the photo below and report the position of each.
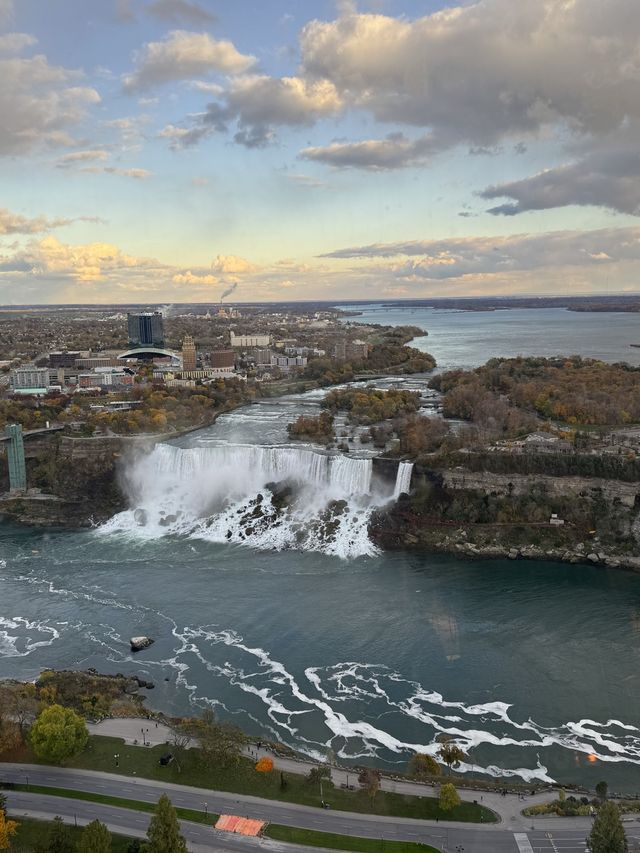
(573, 390)
(371, 405)
(606, 467)
(318, 428)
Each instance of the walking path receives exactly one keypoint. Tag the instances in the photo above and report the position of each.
(140, 731)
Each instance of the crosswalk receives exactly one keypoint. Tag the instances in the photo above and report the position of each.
(549, 842)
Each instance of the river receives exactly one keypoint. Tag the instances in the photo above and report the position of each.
(284, 618)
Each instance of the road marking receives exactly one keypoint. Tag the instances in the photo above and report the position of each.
(523, 842)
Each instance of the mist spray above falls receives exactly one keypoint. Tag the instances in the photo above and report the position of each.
(266, 497)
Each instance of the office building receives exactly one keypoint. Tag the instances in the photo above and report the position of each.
(30, 379)
(189, 356)
(146, 329)
(63, 359)
(247, 341)
(222, 358)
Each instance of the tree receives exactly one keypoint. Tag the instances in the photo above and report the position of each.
(264, 765)
(319, 774)
(369, 779)
(8, 828)
(60, 840)
(221, 744)
(451, 754)
(422, 766)
(164, 830)
(607, 833)
(95, 838)
(602, 789)
(449, 798)
(57, 734)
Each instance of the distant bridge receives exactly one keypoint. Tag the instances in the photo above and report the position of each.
(15, 438)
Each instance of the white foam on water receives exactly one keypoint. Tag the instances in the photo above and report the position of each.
(23, 642)
(226, 493)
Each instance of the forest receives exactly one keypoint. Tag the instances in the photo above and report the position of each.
(573, 391)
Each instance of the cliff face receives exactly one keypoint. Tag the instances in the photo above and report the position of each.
(479, 514)
(75, 482)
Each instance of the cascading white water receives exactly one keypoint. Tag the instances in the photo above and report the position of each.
(267, 497)
(403, 479)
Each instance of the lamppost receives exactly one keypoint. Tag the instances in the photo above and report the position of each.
(27, 775)
(205, 811)
(321, 794)
(116, 758)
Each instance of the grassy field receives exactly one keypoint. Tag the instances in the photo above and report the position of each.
(121, 802)
(242, 778)
(34, 834)
(343, 842)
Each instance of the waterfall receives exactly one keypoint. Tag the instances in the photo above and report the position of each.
(267, 497)
(403, 479)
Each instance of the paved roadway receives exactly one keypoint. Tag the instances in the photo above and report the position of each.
(551, 835)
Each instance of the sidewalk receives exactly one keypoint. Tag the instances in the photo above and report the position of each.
(138, 730)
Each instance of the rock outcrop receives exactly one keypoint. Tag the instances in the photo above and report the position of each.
(140, 643)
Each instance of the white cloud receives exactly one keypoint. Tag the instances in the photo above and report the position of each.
(16, 42)
(453, 258)
(197, 279)
(258, 103)
(38, 103)
(14, 223)
(183, 55)
(6, 10)
(394, 152)
(232, 264)
(75, 157)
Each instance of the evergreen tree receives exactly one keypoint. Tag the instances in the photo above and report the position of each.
(95, 838)
(164, 830)
(60, 840)
(607, 834)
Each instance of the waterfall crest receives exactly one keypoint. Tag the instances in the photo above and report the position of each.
(267, 497)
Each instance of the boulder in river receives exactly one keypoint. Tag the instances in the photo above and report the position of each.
(140, 643)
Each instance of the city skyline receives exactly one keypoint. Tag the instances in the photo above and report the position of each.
(174, 151)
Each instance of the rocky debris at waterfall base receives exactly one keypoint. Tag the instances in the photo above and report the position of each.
(140, 643)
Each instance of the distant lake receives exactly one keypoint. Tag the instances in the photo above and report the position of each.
(470, 338)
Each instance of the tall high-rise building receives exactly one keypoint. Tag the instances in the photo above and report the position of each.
(146, 329)
(189, 359)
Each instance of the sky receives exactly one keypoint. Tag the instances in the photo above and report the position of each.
(159, 151)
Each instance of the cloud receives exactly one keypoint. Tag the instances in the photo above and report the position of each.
(458, 257)
(258, 103)
(180, 11)
(183, 55)
(91, 262)
(482, 71)
(227, 264)
(14, 223)
(124, 11)
(394, 152)
(38, 102)
(16, 42)
(607, 178)
(6, 10)
(75, 157)
(198, 279)
(138, 174)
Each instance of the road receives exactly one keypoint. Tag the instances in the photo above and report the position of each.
(551, 835)
(136, 730)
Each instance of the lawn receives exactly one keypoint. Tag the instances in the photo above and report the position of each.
(31, 832)
(34, 834)
(242, 778)
(332, 841)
